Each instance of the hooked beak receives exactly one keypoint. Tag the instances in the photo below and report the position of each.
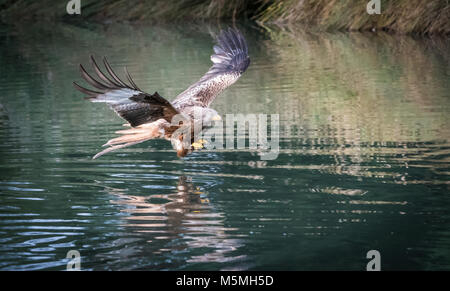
(217, 118)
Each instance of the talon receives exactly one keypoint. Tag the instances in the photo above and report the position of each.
(197, 146)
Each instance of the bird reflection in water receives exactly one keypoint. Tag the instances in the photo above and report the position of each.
(179, 222)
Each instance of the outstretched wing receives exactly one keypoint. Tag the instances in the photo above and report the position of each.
(230, 60)
(127, 100)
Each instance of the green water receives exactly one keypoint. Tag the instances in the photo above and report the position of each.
(364, 159)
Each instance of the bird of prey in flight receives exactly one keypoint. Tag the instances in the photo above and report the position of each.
(152, 116)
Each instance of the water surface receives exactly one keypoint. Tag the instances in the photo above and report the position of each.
(364, 159)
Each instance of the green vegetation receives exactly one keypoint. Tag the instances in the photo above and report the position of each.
(402, 16)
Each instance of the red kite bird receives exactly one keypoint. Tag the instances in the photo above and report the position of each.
(151, 116)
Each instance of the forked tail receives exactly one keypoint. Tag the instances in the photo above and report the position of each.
(134, 136)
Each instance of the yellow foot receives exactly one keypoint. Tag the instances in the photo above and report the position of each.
(198, 145)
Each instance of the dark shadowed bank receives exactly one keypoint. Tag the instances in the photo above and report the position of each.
(401, 16)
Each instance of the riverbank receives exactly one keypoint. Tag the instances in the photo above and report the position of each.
(402, 16)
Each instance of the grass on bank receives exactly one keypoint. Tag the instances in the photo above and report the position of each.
(402, 16)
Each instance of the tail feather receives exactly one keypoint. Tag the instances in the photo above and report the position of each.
(113, 148)
(134, 136)
(131, 131)
(130, 138)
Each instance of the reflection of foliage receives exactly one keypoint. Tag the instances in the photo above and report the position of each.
(403, 15)
(360, 87)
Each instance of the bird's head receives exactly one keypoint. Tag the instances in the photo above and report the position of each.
(209, 115)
